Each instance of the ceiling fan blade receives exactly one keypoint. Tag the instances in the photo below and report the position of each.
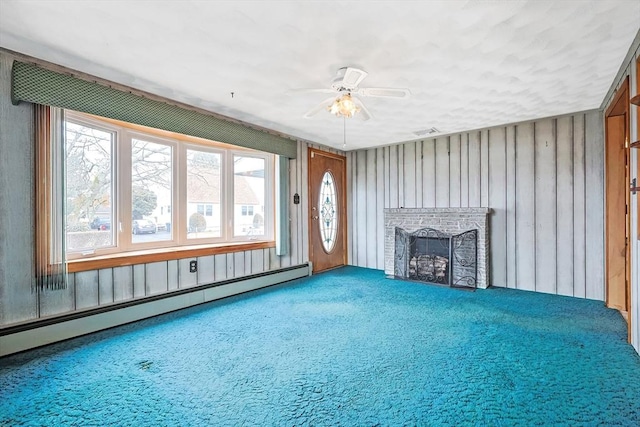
(385, 92)
(364, 114)
(304, 90)
(322, 106)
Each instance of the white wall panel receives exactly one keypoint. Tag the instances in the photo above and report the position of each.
(475, 180)
(525, 208)
(455, 172)
(206, 270)
(122, 283)
(370, 211)
(156, 278)
(564, 202)
(86, 283)
(428, 174)
(173, 279)
(497, 192)
(545, 206)
(442, 172)
(510, 200)
(594, 182)
(105, 286)
(139, 280)
(579, 208)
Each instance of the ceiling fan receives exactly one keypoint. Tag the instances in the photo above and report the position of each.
(346, 102)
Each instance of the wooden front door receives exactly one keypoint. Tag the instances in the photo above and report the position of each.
(327, 210)
(617, 210)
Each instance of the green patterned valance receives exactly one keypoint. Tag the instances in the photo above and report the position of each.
(41, 86)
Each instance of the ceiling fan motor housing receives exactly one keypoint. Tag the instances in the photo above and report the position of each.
(348, 79)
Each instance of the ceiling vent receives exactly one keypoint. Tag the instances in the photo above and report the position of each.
(424, 132)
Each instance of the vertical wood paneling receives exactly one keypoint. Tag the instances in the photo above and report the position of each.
(393, 177)
(474, 170)
(351, 241)
(429, 173)
(265, 259)
(409, 175)
(220, 267)
(304, 207)
(564, 236)
(525, 208)
(511, 206)
(442, 172)
(274, 260)
(257, 261)
(418, 182)
(370, 213)
(454, 171)
(139, 280)
(156, 276)
(594, 181)
(122, 283)
(484, 168)
(579, 208)
(173, 279)
(248, 263)
(238, 264)
(361, 208)
(294, 212)
(380, 203)
(86, 284)
(206, 269)
(545, 202)
(231, 264)
(464, 170)
(401, 165)
(105, 286)
(497, 192)
(186, 278)
(386, 178)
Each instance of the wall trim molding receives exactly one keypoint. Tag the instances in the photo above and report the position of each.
(30, 335)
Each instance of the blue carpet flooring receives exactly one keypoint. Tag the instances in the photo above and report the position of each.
(347, 347)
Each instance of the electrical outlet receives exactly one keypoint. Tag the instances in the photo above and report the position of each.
(193, 266)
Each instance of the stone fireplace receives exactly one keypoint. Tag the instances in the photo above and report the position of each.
(430, 236)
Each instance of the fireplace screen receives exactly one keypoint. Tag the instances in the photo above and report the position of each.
(428, 255)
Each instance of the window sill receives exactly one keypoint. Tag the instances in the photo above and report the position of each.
(165, 254)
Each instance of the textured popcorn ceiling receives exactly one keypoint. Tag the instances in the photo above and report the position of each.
(468, 64)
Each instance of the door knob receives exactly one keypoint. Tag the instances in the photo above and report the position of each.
(314, 217)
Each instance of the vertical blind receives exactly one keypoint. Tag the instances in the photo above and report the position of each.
(51, 259)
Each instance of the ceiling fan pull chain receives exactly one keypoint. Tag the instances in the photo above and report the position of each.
(344, 135)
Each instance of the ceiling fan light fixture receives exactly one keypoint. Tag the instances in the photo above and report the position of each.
(343, 106)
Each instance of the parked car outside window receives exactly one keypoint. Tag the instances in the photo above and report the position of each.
(142, 226)
(100, 224)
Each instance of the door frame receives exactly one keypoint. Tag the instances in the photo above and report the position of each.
(342, 200)
(619, 106)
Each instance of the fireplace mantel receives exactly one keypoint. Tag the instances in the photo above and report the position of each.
(447, 220)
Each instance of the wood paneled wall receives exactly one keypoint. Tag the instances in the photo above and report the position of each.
(543, 179)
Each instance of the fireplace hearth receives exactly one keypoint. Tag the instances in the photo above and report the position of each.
(431, 256)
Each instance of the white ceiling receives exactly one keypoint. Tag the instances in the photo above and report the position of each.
(468, 64)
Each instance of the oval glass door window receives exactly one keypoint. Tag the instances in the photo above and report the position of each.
(328, 205)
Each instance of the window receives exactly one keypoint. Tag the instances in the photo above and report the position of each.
(129, 188)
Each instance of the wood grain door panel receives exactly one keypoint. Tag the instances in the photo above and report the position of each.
(321, 162)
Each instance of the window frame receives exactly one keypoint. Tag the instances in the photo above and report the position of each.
(124, 248)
